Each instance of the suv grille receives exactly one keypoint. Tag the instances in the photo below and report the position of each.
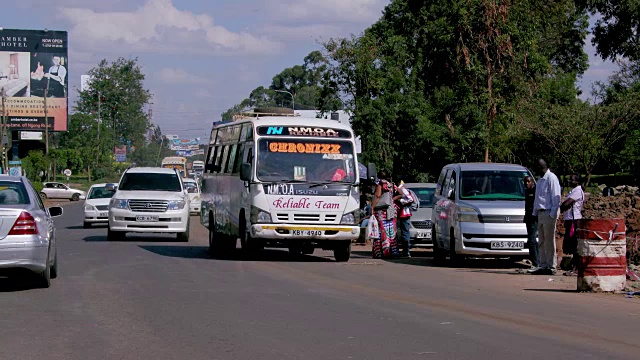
(148, 205)
(421, 224)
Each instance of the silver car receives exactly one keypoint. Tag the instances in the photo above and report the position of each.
(420, 229)
(479, 211)
(27, 233)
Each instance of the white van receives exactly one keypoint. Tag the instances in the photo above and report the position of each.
(479, 211)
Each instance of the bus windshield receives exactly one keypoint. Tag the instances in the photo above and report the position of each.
(305, 160)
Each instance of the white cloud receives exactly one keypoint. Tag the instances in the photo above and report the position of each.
(358, 11)
(158, 26)
(179, 76)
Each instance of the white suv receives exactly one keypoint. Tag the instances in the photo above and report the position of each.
(149, 200)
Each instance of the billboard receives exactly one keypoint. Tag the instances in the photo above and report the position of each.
(34, 63)
(189, 153)
(183, 142)
(185, 147)
(121, 153)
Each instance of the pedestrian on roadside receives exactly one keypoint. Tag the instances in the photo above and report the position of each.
(531, 222)
(572, 209)
(403, 207)
(385, 213)
(546, 208)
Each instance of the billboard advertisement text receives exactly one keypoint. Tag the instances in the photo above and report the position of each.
(34, 63)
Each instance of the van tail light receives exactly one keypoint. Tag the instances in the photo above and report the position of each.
(25, 225)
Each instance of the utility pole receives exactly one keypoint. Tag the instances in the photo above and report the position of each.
(4, 131)
(293, 100)
(46, 121)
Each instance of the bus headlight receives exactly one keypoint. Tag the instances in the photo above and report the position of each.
(348, 219)
(259, 216)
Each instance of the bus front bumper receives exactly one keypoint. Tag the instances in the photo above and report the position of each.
(305, 232)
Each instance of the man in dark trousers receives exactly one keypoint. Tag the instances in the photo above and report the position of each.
(531, 221)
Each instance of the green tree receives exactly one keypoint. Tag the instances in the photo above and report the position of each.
(117, 96)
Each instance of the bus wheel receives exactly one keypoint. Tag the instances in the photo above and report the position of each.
(342, 251)
(249, 245)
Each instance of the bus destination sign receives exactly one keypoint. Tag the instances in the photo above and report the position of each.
(307, 131)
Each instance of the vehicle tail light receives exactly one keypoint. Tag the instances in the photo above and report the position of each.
(25, 225)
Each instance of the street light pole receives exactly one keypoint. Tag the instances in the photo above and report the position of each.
(293, 100)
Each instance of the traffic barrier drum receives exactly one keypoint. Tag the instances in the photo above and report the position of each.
(602, 248)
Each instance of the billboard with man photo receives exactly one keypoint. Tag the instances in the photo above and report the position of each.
(34, 64)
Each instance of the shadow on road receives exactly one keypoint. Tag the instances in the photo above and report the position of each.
(553, 290)
(16, 280)
(201, 252)
(425, 258)
(75, 227)
(132, 239)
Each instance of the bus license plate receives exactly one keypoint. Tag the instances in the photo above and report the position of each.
(423, 235)
(307, 232)
(507, 244)
(147, 218)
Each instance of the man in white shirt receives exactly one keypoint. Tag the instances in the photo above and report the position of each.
(546, 207)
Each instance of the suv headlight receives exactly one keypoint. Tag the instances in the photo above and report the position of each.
(467, 214)
(89, 207)
(119, 203)
(259, 216)
(348, 219)
(176, 205)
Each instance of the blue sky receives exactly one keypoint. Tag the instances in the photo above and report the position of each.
(203, 56)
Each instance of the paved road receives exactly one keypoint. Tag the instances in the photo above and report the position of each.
(157, 299)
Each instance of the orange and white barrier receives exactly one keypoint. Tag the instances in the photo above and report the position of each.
(602, 248)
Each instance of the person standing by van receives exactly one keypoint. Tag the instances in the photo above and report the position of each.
(386, 215)
(546, 207)
(531, 221)
(404, 218)
(572, 208)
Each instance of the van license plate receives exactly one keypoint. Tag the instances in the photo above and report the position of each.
(307, 232)
(147, 218)
(423, 235)
(507, 244)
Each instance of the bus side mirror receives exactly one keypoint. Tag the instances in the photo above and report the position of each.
(371, 171)
(245, 172)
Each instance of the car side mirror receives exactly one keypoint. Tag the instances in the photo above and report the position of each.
(245, 172)
(371, 171)
(110, 187)
(55, 211)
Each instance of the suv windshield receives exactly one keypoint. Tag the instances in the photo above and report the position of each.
(99, 192)
(305, 160)
(150, 182)
(492, 185)
(425, 195)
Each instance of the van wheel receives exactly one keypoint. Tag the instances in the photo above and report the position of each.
(452, 248)
(438, 252)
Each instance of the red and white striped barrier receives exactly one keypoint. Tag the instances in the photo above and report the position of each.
(602, 248)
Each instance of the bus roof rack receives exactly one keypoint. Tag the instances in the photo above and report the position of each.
(253, 114)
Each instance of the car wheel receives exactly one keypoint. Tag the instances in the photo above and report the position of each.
(86, 225)
(54, 267)
(75, 197)
(342, 252)
(43, 196)
(44, 278)
(184, 236)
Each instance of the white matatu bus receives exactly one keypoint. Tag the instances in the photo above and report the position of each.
(281, 181)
